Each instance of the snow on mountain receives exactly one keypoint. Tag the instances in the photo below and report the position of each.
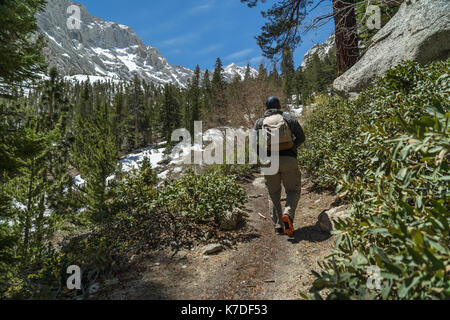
(322, 49)
(232, 70)
(105, 50)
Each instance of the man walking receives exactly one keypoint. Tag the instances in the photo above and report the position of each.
(291, 136)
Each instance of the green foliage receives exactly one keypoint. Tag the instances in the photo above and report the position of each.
(143, 219)
(318, 74)
(199, 197)
(288, 74)
(20, 51)
(389, 150)
(95, 156)
(169, 116)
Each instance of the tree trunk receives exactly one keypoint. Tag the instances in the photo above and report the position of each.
(346, 31)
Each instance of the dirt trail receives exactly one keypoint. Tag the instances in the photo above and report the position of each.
(268, 266)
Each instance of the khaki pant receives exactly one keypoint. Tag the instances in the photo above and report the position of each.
(289, 175)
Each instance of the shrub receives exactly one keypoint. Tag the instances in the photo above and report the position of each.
(199, 197)
(397, 181)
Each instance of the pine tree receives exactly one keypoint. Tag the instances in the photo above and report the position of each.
(274, 76)
(169, 112)
(20, 52)
(248, 74)
(95, 157)
(207, 92)
(119, 119)
(55, 105)
(313, 75)
(287, 16)
(262, 72)
(30, 188)
(136, 108)
(218, 85)
(288, 74)
(150, 116)
(194, 102)
(10, 163)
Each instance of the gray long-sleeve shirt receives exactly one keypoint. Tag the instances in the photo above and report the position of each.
(294, 126)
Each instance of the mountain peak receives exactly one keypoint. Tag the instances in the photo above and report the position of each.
(321, 49)
(106, 49)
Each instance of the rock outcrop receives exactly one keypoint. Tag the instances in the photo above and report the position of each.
(321, 49)
(420, 31)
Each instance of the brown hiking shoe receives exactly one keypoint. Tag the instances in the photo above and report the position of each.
(288, 227)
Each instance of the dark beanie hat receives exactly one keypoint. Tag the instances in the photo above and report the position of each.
(273, 103)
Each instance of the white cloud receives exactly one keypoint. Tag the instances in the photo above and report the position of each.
(210, 49)
(239, 55)
(180, 39)
(201, 8)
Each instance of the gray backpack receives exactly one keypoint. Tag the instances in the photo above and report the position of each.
(276, 123)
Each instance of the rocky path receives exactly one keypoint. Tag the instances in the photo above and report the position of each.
(267, 266)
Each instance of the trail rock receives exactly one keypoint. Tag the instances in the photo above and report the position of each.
(232, 220)
(327, 218)
(420, 31)
(212, 248)
(260, 183)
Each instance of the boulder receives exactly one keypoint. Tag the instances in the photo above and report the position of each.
(212, 248)
(231, 220)
(327, 218)
(420, 31)
(260, 183)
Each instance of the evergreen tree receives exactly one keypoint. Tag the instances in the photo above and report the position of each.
(119, 119)
(20, 52)
(218, 85)
(54, 103)
(150, 116)
(248, 74)
(262, 72)
(136, 108)
(194, 101)
(287, 16)
(169, 112)
(274, 76)
(207, 92)
(95, 157)
(288, 74)
(30, 188)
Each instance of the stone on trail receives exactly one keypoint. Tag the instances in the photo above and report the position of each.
(212, 248)
(327, 218)
(259, 183)
(231, 220)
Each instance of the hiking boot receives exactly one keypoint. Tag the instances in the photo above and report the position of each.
(288, 227)
(279, 231)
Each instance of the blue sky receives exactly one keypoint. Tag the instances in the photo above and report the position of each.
(191, 32)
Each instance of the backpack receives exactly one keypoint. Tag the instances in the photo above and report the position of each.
(273, 123)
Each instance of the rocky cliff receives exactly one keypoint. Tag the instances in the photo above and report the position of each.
(420, 31)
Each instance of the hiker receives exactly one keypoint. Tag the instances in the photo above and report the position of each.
(291, 137)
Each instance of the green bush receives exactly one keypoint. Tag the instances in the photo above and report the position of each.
(394, 144)
(143, 217)
(199, 197)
